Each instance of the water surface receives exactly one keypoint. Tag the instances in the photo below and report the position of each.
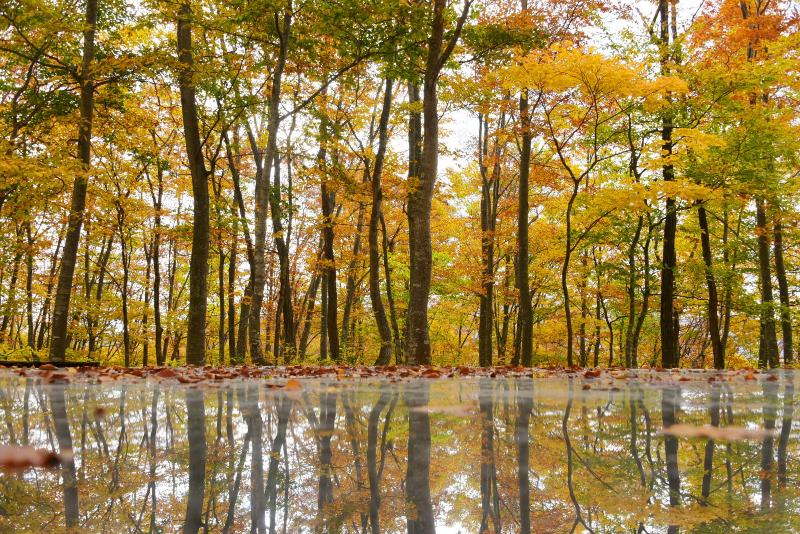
(525, 451)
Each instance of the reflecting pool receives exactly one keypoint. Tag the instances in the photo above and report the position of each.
(417, 451)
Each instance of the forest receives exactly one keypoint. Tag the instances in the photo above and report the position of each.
(411, 182)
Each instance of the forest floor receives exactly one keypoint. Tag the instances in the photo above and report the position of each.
(289, 376)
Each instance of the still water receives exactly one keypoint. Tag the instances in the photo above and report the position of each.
(525, 451)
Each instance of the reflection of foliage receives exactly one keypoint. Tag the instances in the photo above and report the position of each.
(619, 471)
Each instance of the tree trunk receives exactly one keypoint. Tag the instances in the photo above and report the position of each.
(565, 271)
(378, 309)
(525, 314)
(58, 336)
(669, 335)
(783, 293)
(267, 196)
(768, 342)
(489, 199)
(198, 263)
(421, 194)
(328, 200)
(713, 300)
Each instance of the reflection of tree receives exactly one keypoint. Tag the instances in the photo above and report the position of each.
(670, 402)
(196, 435)
(490, 500)
(348, 398)
(151, 457)
(786, 427)
(374, 465)
(252, 417)
(770, 404)
(522, 437)
(284, 406)
(708, 457)
(58, 404)
(418, 477)
(462, 467)
(325, 427)
(570, 466)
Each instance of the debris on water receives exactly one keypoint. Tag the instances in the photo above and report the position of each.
(727, 433)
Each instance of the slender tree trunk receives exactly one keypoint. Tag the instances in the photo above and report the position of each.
(783, 293)
(126, 336)
(713, 300)
(328, 200)
(9, 308)
(267, 196)
(198, 263)
(31, 341)
(768, 345)
(231, 331)
(378, 309)
(58, 336)
(157, 196)
(148, 250)
(565, 271)
(669, 335)
(489, 199)
(309, 313)
(525, 314)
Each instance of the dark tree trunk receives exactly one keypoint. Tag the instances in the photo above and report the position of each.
(490, 189)
(198, 263)
(231, 329)
(58, 336)
(783, 293)
(157, 196)
(31, 341)
(669, 335)
(525, 314)
(629, 345)
(330, 312)
(768, 345)
(713, 300)
(420, 197)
